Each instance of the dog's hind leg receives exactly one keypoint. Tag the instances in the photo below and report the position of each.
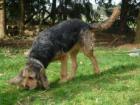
(74, 64)
(93, 60)
(63, 72)
(88, 41)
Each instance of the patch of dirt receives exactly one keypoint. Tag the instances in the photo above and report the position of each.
(16, 43)
(129, 46)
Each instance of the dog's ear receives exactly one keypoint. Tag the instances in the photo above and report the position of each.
(16, 80)
(44, 80)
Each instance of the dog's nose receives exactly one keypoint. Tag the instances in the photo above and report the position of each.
(26, 86)
(24, 83)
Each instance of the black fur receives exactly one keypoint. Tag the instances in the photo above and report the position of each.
(59, 38)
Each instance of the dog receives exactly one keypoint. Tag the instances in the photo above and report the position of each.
(57, 43)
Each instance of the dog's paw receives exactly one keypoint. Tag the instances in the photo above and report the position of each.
(70, 78)
(97, 71)
(63, 81)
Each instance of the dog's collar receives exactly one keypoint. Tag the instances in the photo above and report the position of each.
(37, 61)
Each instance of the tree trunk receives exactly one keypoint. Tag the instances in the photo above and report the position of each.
(137, 38)
(53, 9)
(21, 24)
(2, 19)
(123, 17)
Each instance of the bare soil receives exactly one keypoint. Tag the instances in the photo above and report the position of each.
(129, 46)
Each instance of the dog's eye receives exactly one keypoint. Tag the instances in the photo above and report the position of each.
(31, 78)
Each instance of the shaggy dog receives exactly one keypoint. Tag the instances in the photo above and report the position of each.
(57, 43)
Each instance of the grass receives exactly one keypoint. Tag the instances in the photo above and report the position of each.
(118, 83)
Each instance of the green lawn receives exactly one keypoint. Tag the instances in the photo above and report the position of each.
(118, 83)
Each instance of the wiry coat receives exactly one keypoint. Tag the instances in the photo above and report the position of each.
(59, 38)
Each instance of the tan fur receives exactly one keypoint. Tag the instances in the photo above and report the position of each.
(85, 45)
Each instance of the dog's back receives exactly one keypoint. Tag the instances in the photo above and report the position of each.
(59, 38)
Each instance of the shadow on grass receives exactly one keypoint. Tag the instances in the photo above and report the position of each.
(105, 74)
(60, 91)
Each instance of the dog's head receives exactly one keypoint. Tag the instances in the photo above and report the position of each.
(32, 76)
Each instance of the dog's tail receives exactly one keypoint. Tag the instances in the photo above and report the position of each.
(108, 23)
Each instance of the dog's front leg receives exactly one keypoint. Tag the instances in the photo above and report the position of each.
(63, 72)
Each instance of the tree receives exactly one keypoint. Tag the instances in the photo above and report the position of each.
(2, 18)
(123, 17)
(53, 9)
(137, 38)
(21, 25)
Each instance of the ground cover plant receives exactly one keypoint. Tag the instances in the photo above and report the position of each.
(118, 83)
